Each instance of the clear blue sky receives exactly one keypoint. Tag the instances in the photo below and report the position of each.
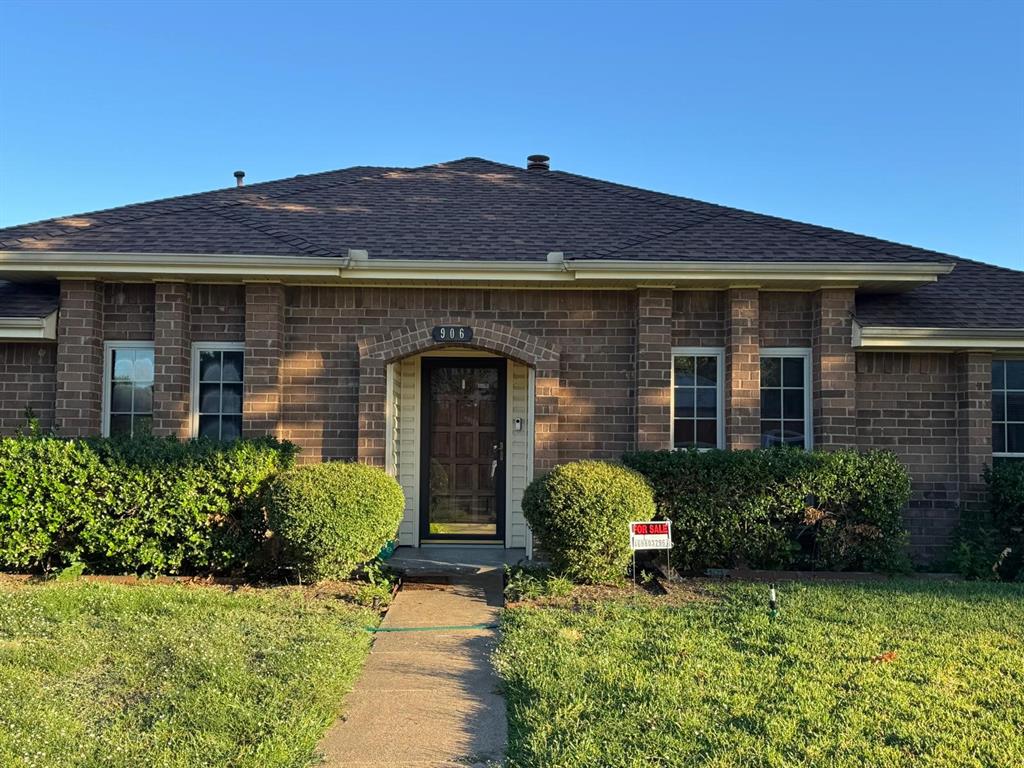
(901, 120)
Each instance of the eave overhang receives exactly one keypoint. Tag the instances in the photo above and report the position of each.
(908, 339)
(29, 328)
(358, 267)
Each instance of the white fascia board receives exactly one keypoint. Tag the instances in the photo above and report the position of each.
(898, 337)
(29, 328)
(73, 264)
(456, 270)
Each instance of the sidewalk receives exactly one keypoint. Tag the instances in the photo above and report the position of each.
(428, 698)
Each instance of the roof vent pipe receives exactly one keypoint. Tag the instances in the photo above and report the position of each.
(239, 178)
(537, 163)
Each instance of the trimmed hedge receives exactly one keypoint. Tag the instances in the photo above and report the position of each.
(989, 542)
(153, 505)
(780, 508)
(332, 518)
(580, 511)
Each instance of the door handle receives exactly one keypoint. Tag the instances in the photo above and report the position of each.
(499, 448)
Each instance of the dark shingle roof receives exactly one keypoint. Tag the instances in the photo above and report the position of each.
(28, 299)
(466, 209)
(973, 295)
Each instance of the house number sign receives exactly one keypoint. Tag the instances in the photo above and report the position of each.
(452, 333)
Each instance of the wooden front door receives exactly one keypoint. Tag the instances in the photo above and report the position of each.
(462, 474)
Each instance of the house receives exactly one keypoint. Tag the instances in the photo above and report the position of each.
(469, 325)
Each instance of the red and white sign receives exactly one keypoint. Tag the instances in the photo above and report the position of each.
(656, 534)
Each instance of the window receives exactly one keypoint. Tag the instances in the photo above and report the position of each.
(1008, 408)
(697, 398)
(217, 370)
(127, 388)
(786, 397)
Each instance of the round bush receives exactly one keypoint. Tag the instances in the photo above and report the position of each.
(580, 512)
(333, 517)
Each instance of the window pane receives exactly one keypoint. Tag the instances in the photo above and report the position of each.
(771, 404)
(1015, 438)
(999, 406)
(209, 398)
(707, 403)
(792, 372)
(1014, 374)
(771, 433)
(793, 403)
(232, 366)
(683, 433)
(143, 398)
(209, 366)
(998, 382)
(707, 433)
(1015, 406)
(120, 426)
(771, 372)
(231, 399)
(707, 371)
(230, 427)
(684, 371)
(998, 438)
(142, 425)
(209, 426)
(143, 365)
(124, 364)
(793, 432)
(684, 402)
(120, 398)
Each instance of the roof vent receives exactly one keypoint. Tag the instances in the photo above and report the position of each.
(239, 178)
(537, 163)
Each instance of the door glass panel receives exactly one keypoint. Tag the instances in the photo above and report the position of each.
(464, 436)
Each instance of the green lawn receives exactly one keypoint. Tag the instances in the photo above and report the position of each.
(161, 676)
(714, 682)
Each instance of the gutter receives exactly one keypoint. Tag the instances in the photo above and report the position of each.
(359, 266)
(899, 337)
(29, 328)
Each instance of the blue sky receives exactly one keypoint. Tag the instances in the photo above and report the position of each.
(901, 120)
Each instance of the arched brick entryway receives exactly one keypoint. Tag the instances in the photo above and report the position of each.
(377, 351)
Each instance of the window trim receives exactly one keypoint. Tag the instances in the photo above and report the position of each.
(805, 354)
(992, 390)
(209, 346)
(108, 349)
(719, 354)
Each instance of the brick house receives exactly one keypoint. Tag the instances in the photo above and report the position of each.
(470, 324)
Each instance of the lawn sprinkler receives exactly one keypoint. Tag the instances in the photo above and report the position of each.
(773, 603)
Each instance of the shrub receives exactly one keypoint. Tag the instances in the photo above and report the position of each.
(333, 517)
(154, 505)
(780, 507)
(580, 512)
(989, 542)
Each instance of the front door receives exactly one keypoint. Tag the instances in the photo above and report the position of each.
(462, 475)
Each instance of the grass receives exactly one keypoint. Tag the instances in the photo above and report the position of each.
(900, 673)
(167, 675)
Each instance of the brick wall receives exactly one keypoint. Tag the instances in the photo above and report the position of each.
(907, 403)
(595, 332)
(79, 366)
(742, 370)
(654, 369)
(218, 312)
(834, 369)
(28, 379)
(128, 311)
(698, 319)
(786, 318)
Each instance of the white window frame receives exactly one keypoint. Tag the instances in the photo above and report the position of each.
(210, 346)
(805, 354)
(108, 355)
(1004, 454)
(719, 354)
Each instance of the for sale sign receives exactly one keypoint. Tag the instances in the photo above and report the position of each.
(651, 535)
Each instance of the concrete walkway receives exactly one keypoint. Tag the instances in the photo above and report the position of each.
(428, 698)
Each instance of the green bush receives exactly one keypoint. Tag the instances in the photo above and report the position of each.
(780, 508)
(153, 505)
(989, 541)
(332, 518)
(580, 512)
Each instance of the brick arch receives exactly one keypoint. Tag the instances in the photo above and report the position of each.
(379, 350)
